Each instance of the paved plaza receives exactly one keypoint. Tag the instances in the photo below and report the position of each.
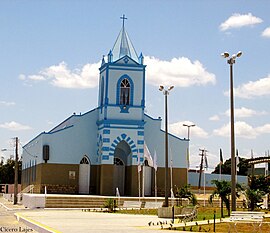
(45, 220)
(15, 218)
(78, 221)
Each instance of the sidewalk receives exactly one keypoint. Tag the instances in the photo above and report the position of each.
(67, 221)
(45, 220)
(8, 205)
(93, 222)
(8, 221)
(96, 222)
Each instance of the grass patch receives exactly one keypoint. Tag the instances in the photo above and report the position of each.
(224, 227)
(138, 211)
(204, 213)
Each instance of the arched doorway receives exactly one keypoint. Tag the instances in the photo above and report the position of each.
(84, 175)
(122, 154)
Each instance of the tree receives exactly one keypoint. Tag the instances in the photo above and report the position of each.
(258, 186)
(260, 182)
(185, 192)
(226, 167)
(7, 171)
(223, 191)
(254, 197)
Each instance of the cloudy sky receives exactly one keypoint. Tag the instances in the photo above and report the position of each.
(50, 52)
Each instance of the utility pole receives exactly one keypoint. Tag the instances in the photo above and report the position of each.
(203, 154)
(16, 171)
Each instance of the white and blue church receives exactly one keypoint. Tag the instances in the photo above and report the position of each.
(99, 151)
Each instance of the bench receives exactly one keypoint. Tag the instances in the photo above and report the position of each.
(187, 214)
(153, 205)
(255, 218)
(132, 205)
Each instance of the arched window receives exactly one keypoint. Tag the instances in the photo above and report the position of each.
(118, 161)
(84, 160)
(146, 163)
(125, 92)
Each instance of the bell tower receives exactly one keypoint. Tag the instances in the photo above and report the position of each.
(121, 104)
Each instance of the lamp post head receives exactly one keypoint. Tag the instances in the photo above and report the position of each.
(239, 54)
(161, 88)
(192, 125)
(225, 54)
(170, 88)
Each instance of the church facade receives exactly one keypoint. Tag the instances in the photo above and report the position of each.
(99, 151)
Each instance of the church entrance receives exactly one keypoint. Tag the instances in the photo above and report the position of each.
(121, 156)
(119, 175)
(84, 176)
(147, 180)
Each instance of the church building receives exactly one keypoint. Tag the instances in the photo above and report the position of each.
(99, 151)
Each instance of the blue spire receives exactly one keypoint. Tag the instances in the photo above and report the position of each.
(141, 58)
(110, 56)
(103, 60)
(123, 45)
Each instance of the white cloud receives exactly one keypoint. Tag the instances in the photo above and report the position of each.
(180, 72)
(242, 129)
(36, 77)
(62, 76)
(244, 112)
(252, 89)
(263, 129)
(14, 126)
(237, 20)
(266, 32)
(182, 131)
(5, 103)
(214, 118)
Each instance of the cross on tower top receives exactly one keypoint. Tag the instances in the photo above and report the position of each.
(123, 18)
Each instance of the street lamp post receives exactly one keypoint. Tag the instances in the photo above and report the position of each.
(188, 126)
(166, 93)
(16, 172)
(231, 61)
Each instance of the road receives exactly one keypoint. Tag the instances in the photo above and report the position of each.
(9, 223)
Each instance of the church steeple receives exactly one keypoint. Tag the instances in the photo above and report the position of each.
(123, 45)
(122, 82)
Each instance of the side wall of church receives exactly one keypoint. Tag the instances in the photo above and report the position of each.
(67, 147)
(155, 140)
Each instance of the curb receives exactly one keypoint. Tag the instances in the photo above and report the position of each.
(39, 227)
(4, 206)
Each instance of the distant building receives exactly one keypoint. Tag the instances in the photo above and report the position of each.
(97, 152)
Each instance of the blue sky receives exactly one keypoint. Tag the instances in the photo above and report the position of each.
(50, 52)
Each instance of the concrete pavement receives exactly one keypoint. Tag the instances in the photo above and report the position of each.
(46, 220)
(67, 221)
(93, 222)
(8, 222)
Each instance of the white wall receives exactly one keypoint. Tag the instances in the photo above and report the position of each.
(155, 140)
(67, 145)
